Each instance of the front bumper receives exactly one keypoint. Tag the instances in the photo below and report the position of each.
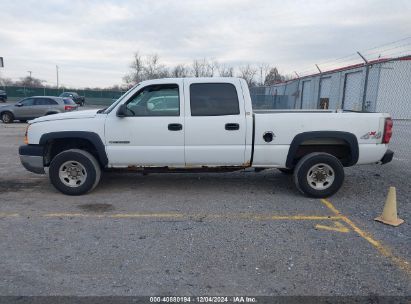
(31, 157)
(387, 157)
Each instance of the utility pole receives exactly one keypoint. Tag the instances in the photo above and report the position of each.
(2, 66)
(30, 83)
(57, 74)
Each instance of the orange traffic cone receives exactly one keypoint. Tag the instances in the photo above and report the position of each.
(389, 215)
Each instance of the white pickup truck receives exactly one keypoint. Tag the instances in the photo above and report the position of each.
(202, 124)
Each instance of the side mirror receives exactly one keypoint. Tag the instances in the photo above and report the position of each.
(18, 105)
(122, 111)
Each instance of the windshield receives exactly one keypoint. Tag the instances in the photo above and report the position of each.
(108, 110)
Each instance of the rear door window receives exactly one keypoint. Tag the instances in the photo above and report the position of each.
(44, 102)
(213, 99)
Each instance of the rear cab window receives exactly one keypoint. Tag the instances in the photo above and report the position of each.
(213, 99)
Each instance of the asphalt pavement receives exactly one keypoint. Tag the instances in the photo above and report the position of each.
(200, 234)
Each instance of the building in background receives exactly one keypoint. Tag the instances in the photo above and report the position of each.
(384, 85)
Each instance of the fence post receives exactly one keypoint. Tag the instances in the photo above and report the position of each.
(367, 71)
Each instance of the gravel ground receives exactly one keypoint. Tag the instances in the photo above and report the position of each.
(198, 234)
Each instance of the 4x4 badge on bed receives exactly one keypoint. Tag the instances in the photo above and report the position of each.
(371, 135)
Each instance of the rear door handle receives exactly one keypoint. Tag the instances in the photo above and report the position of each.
(175, 127)
(232, 126)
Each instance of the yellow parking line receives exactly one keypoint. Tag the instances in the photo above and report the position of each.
(337, 227)
(293, 217)
(385, 251)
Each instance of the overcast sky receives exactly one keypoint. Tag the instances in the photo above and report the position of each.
(93, 41)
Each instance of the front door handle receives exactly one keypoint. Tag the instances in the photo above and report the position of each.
(175, 127)
(232, 126)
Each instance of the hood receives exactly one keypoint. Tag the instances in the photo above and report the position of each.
(6, 106)
(68, 115)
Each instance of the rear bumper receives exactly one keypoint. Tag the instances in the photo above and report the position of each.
(387, 157)
(31, 157)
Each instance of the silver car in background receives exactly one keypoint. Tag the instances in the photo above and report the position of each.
(36, 106)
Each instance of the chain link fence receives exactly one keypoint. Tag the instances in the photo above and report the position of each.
(380, 85)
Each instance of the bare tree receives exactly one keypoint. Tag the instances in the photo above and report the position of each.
(225, 70)
(29, 82)
(179, 71)
(149, 67)
(144, 68)
(211, 68)
(273, 77)
(204, 68)
(248, 73)
(6, 82)
(198, 68)
(136, 74)
(153, 68)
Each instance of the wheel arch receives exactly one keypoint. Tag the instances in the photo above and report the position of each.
(349, 139)
(78, 136)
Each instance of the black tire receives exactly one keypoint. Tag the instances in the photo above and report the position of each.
(286, 171)
(319, 175)
(88, 164)
(7, 117)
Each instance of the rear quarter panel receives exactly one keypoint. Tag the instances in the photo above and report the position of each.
(286, 125)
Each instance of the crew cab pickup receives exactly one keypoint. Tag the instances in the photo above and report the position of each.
(202, 124)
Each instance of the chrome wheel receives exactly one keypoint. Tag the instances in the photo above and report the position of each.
(72, 174)
(320, 176)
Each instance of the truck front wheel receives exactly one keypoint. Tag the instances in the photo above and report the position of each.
(319, 175)
(74, 172)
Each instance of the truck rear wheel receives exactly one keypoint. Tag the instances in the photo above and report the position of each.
(319, 175)
(74, 172)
